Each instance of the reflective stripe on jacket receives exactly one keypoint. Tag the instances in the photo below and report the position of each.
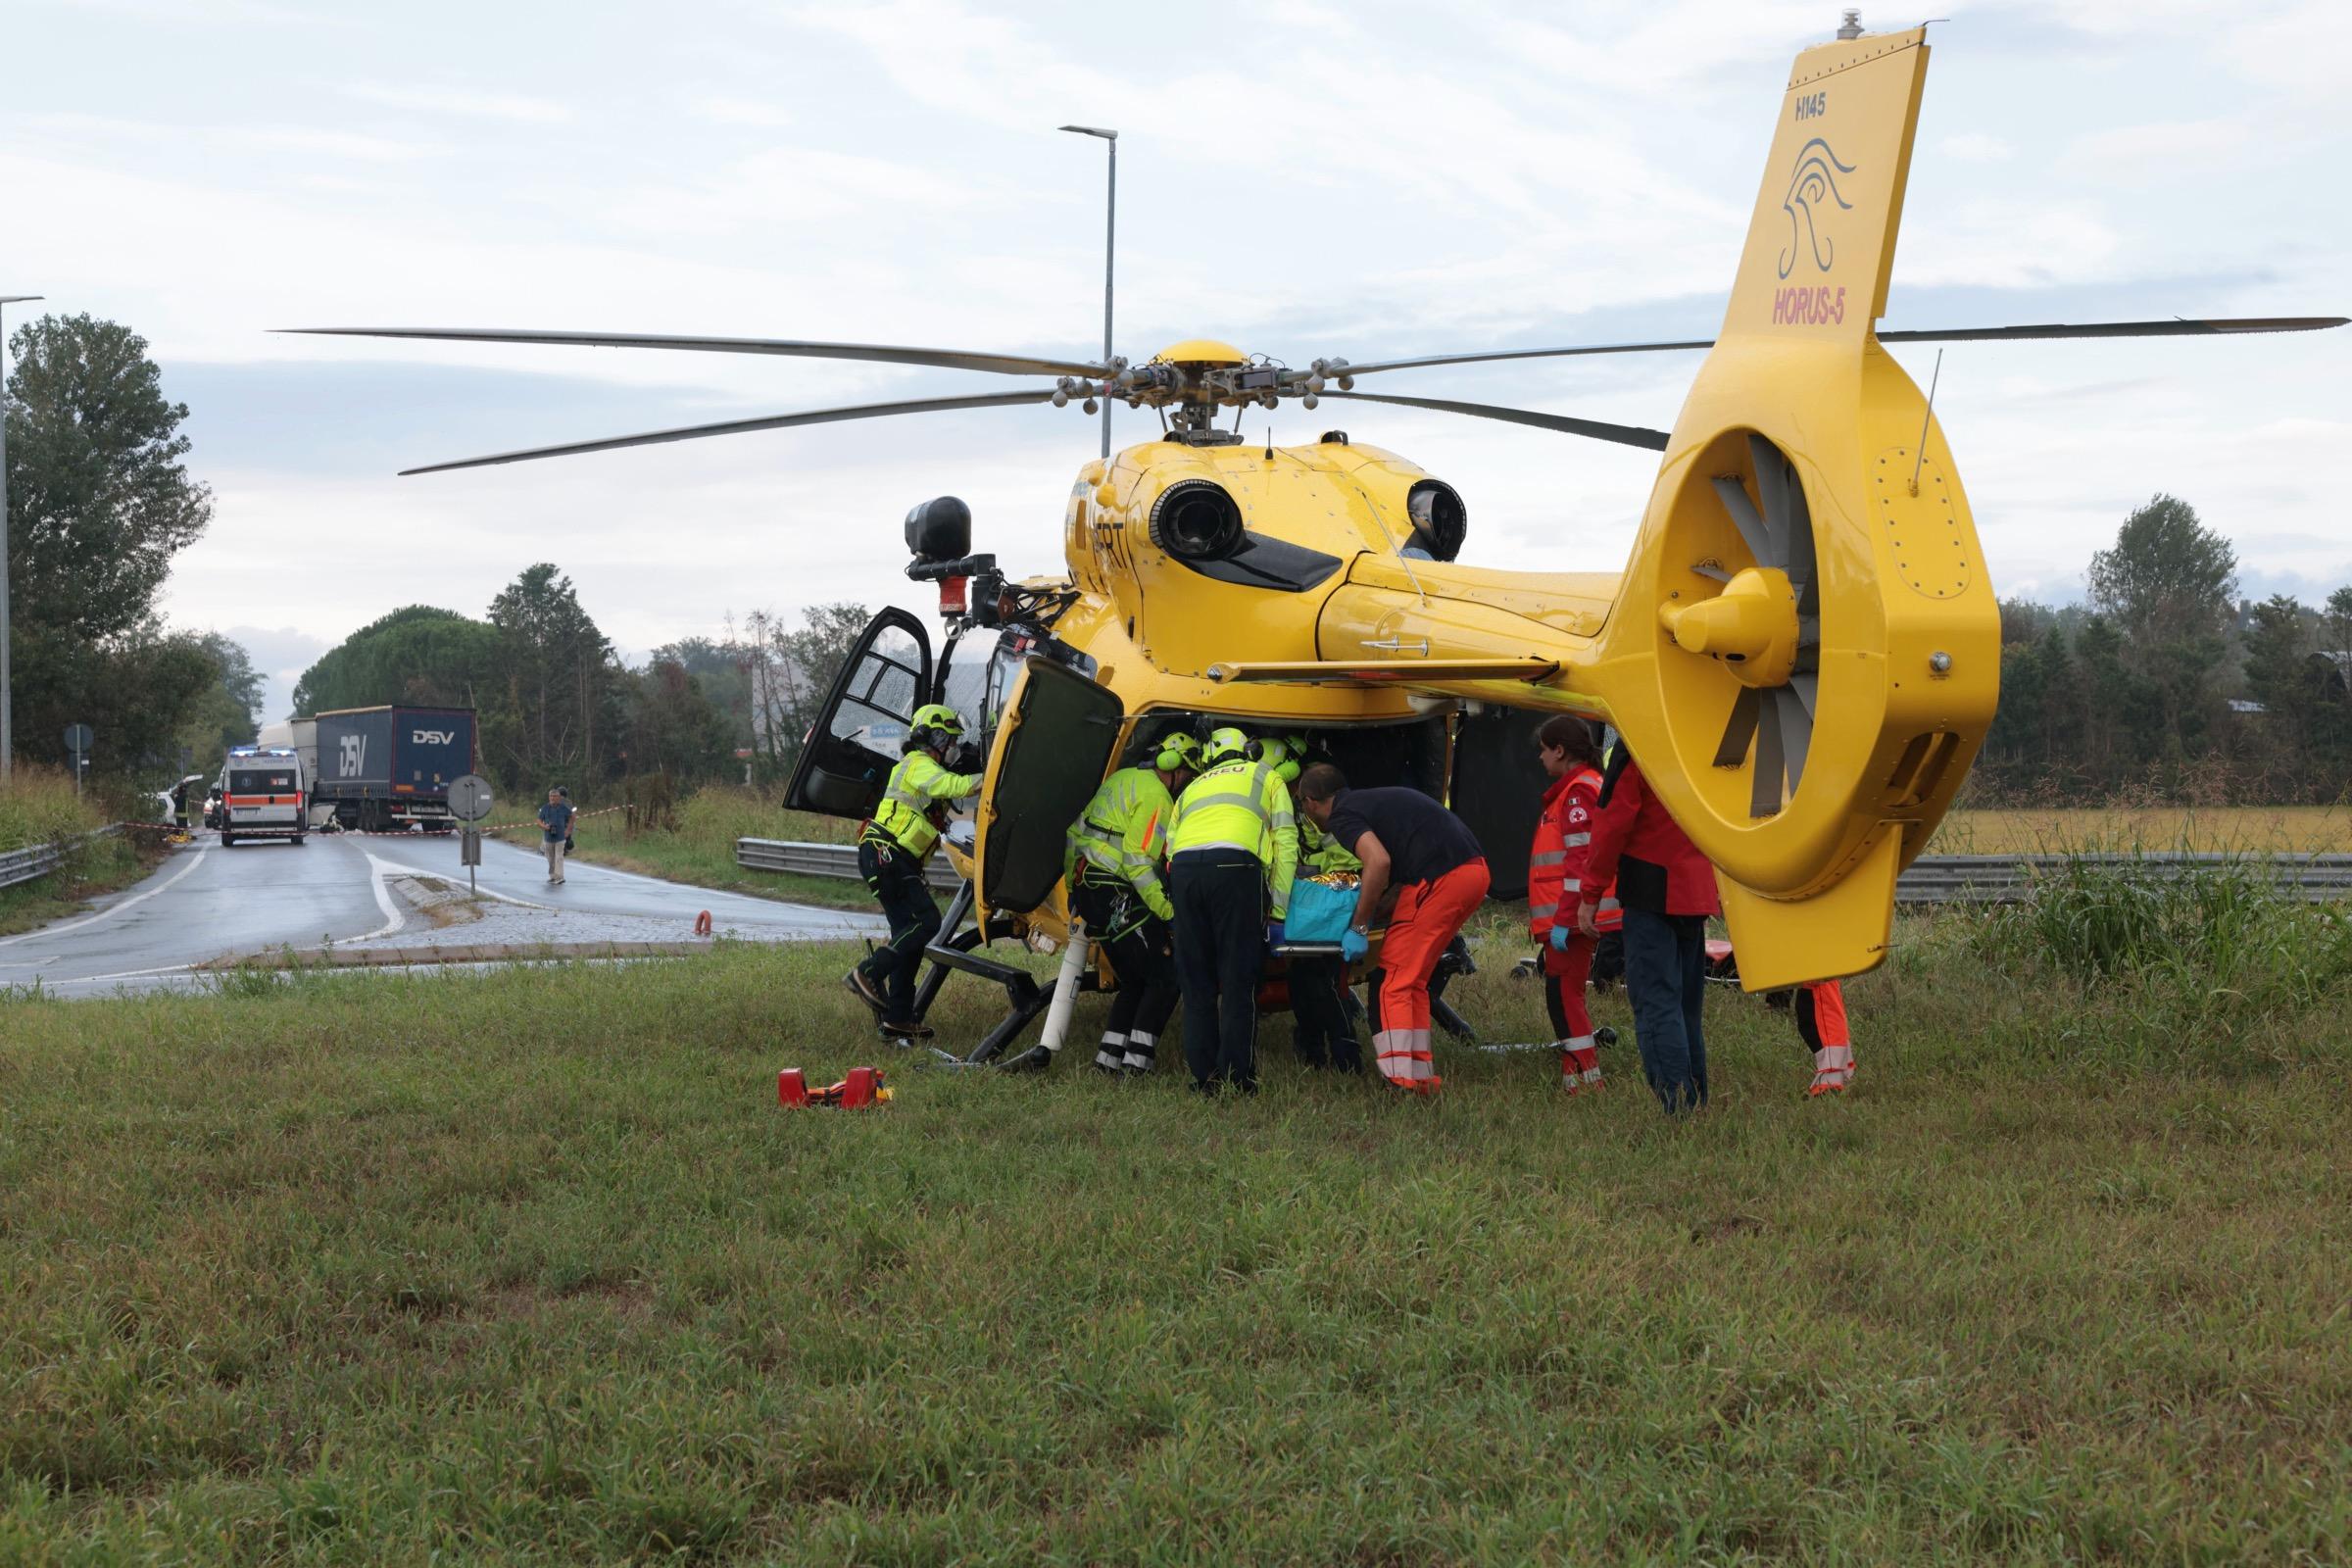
(918, 786)
(1319, 849)
(1123, 833)
(1555, 869)
(1242, 805)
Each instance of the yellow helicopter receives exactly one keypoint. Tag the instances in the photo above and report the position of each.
(1803, 650)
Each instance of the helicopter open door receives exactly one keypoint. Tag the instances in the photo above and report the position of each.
(1054, 745)
(848, 754)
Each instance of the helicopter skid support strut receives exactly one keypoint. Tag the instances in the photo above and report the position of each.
(1025, 1000)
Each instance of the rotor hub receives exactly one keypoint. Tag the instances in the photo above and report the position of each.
(1752, 627)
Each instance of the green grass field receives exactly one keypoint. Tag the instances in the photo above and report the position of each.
(529, 1268)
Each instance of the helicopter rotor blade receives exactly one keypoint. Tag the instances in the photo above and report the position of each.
(1629, 435)
(877, 352)
(2177, 328)
(778, 421)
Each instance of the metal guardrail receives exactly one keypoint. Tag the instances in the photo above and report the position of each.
(2008, 878)
(28, 863)
(1930, 879)
(827, 860)
(36, 860)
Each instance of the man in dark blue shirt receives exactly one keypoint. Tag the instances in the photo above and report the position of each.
(1434, 861)
(555, 825)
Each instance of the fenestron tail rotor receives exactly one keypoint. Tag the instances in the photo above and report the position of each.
(1764, 627)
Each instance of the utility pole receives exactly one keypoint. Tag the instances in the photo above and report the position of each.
(7, 717)
(1110, 242)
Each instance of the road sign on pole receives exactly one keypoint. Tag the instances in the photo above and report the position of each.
(469, 803)
(77, 741)
(470, 797)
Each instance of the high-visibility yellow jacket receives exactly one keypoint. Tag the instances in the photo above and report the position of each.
(1319, 849)
(1123, 832)
(1242, 805)
(917, 786)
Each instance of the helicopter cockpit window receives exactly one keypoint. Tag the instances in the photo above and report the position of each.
(981, 669)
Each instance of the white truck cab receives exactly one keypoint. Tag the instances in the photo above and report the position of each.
(264, 793)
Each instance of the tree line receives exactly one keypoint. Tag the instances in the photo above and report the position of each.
(553, 703)
(2166, 685)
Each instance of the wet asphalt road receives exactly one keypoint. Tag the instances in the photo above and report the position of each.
(205, 902)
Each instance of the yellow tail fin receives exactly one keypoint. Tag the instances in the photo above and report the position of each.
(1821, 241)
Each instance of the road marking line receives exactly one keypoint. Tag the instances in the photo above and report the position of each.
(194, 860)
(384, 899)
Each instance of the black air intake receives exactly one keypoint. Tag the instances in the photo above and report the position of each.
(1196, 520)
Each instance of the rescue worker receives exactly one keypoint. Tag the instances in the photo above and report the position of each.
(1667, 890)
(1555, 875)
(1322, 1034)
(1408, 841)
(1115, 850)
(1231, 851)
(1820, 1008)
(891, 851)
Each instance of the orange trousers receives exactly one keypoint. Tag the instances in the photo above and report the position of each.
(1427, 917)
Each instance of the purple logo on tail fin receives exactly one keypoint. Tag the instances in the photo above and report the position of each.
(1812, 184)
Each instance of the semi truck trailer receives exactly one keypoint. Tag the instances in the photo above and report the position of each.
(386, 769)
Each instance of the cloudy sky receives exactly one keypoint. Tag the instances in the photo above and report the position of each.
(1368, 179)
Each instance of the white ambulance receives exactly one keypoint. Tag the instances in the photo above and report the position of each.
(264, 793)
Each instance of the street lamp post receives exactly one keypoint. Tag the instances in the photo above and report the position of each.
(8, 738)
(1111, 241)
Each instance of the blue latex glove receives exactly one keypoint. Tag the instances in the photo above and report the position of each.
(1274, 933)
(1354, 945)
(1561, 931)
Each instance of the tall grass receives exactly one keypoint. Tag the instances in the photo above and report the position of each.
(38, 805)
(2126, 962)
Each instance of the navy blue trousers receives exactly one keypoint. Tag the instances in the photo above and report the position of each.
(1666, 981)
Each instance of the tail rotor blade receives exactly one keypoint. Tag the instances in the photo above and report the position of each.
(1772, 489)
(1804, 566)
(1796, 733)
(1738, 731)
(1807, 684)
(1752, 531)
(1764, 787)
